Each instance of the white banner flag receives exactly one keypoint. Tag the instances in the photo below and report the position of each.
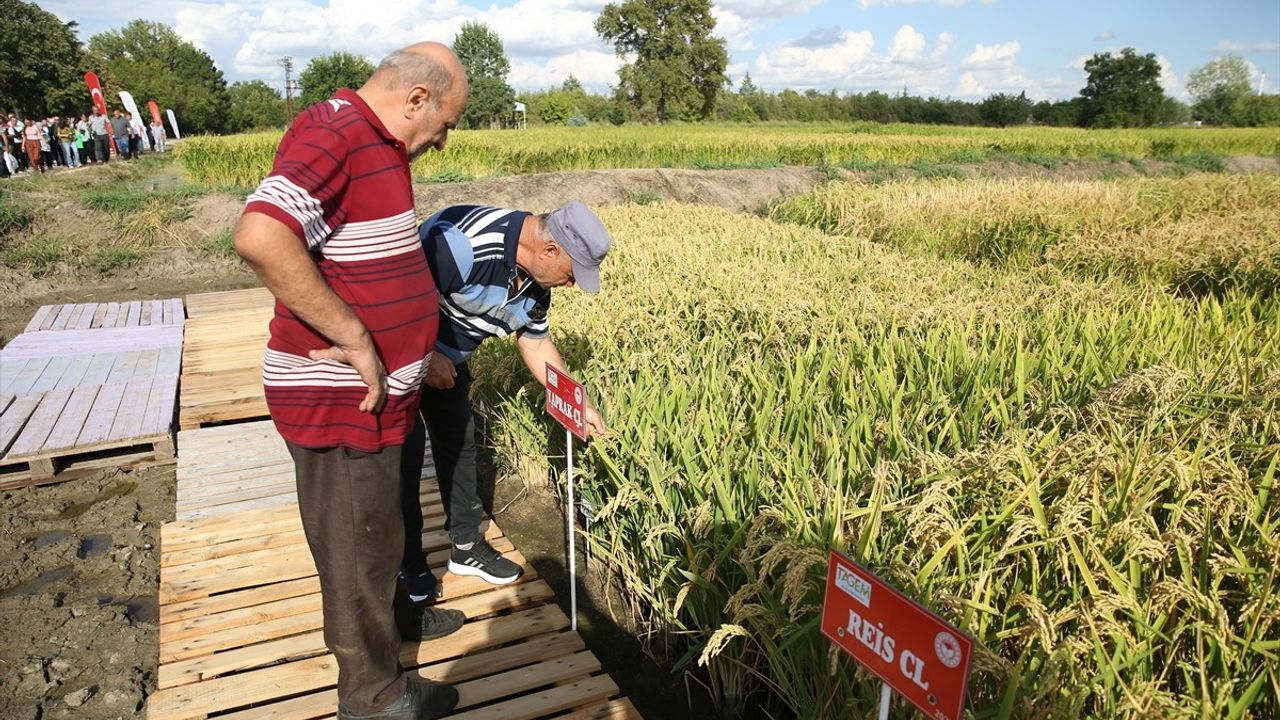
(173, 122)
(132, 107)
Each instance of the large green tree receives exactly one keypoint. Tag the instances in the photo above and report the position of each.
(152, 62)
(1218, 88)
(1005, 109)
(255, 104)
(41, 62)
(678, 66)
(1122, 91)
(326, 73)
(480, 51)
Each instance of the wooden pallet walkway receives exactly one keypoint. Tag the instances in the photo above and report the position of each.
(241, 634)
(88, 386)
(226, 335)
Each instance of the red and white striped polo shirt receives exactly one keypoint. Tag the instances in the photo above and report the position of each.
(341, 182)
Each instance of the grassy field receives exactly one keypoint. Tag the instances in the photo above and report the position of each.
(1029, 406)
(243, 160)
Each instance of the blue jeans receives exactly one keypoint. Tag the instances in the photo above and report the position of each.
(70, 154)
(122, 146)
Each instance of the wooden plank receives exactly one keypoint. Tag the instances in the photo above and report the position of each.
(97, 427)
(122, 368)
(74, 372)
(10, 370)
(262, 685)
(620, 709)
(177, 585)
(110, 317)
(99, 368)
(15, 418)
(98, 314)
(155, 316)
(67, 429)
(161, 404)
(537, 704)
(26, 377)
(454, 671)
(249, 688)
(169, 361)
(128, 422)
(146, 367)
(85, 321)
(48, 379)
(63, 315)
(40, 424)
(39, 318)
(134, 314)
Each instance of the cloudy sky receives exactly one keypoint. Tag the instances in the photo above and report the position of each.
(956, 48)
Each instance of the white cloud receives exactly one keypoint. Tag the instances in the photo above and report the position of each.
(594, 69)
(993, 57)
(1104, 36)
(994, 68)
(1169, 80)
(907, 46)
(851, 63)
(1230, 46)
(866, 4)
(968, 86)
(766, 8)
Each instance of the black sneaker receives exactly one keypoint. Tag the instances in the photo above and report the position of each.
(435, 623)
(421, 699)
(484, 562)
(423, 585)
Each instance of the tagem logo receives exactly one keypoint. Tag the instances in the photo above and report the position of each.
(857, 588)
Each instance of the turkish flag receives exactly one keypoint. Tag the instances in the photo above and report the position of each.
(95, 89)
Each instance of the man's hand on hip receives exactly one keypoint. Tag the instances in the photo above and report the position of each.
(365, 361)
(440, 372)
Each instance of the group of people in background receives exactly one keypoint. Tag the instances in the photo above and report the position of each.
(38, 145)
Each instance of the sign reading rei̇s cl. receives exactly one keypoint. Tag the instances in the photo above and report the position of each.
(912, 650)
(567, 401)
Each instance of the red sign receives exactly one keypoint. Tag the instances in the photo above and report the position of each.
(155, 111)
(914, 651)
(567, 401)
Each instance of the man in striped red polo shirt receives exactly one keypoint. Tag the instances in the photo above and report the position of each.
(331, 233)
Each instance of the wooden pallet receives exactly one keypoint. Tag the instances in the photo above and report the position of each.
(215, 303)
(241, 633)
(85, 316)
(226, 335)
(88, 397)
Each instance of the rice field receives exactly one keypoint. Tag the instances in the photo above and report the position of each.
(1050, 412)
(243, 160)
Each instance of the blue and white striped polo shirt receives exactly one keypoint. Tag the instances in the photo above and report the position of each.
(472, 253)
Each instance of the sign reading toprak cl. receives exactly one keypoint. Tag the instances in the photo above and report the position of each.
(914, 651)
(567, 401)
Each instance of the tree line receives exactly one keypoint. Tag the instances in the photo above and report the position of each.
(674, 71)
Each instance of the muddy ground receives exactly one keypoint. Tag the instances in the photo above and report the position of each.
(79, 559)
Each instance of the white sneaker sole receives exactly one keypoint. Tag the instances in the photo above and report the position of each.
(457, 569)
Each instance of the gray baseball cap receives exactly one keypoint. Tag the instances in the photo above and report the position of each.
(584, 237)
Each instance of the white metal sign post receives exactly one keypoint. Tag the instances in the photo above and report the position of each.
(567, 403)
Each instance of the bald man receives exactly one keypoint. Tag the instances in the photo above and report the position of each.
(331, 233)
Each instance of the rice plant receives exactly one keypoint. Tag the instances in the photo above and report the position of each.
(1078, 470)
(242, 160)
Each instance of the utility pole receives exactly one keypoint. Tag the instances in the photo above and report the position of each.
(286, 62)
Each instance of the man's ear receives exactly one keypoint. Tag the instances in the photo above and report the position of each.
(417, 99)
(550, 250)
